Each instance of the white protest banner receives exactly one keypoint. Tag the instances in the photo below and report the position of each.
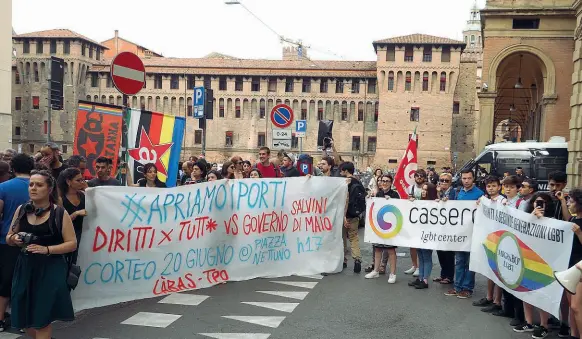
(433, 225)
(520, 252)
(145, 242)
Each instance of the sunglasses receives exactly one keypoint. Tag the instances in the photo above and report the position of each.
(445, 180)
(386, 181)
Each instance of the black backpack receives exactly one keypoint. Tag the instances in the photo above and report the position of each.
(356, 200)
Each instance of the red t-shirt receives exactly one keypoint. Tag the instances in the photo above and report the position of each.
(267, 171)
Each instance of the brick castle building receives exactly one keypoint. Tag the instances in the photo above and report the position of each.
(418, 82)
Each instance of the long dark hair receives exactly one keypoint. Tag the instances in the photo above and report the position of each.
(51, 183)
(66, 175)
(224, 170)
(549, 210)
(146, 169)
(576, 196)
(431, 191)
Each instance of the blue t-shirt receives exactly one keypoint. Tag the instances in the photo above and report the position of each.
(14, 193)
(473, 194)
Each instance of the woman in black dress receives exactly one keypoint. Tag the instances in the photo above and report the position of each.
(71, 185)
(40, 294)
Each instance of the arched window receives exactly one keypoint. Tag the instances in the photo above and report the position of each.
(390, 81)
(408, 81)
(443, 82)
(237, 113)
(425, 82)
(221, 108)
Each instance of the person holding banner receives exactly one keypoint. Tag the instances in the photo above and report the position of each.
(71, 186)
(199, 173)
(464, 278)
(385, 191)
(429, 192)
(40, 293)
(540, 205)
(150, 178)
(492, 301)
(446, 258)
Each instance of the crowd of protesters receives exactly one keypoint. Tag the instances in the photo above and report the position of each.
(42, 202)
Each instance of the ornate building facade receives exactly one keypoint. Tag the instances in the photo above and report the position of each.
(418, 82)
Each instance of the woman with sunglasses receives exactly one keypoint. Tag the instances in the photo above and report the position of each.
(446, 192)
(228, 169)
(385, 191)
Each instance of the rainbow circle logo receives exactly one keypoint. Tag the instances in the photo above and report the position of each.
(386, 229)
(516, 264)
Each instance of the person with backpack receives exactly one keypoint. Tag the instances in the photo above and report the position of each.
(355, 206)
(44, 231)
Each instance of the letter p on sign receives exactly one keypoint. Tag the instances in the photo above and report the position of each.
(300, 128)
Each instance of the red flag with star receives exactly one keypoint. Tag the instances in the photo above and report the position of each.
(154, 138)
(98, 133)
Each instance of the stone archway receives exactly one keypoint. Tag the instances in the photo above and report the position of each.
(527, 104)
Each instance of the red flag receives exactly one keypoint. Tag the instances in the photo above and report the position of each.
(408, 165)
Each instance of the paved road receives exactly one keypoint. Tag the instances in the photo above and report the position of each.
(341, 306)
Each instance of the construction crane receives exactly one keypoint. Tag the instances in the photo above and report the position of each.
(298, 43)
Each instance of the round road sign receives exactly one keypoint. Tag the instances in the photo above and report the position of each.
(282, 116)
(128, 73)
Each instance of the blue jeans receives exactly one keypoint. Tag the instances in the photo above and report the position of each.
(464, 279)
(424, 263)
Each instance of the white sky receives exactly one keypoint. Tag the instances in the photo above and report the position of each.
(194, 28)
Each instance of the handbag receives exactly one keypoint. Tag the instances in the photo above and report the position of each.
(73, 270)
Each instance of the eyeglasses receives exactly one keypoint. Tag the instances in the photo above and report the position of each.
(445, 180)
(418, 176)
(386, 181)
(231, 167)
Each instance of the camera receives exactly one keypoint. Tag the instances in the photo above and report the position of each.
(326, 143)
(27, 238)
(540, 204)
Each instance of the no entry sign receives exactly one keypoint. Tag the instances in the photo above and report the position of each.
(282, 116)
(128, 73)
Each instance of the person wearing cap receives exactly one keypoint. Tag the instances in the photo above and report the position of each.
(50, 158)
(287, 167)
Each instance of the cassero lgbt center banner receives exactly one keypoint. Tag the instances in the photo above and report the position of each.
(154, 138)
(446, 226)
(520, 252)
(145, 242)
(98, 133)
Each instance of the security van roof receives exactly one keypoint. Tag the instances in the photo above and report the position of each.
(554, 142)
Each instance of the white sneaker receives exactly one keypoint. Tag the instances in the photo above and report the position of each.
(372, 275)
(411, 270)
(416, 273)
(392, 278)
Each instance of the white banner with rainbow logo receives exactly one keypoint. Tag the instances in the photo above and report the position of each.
(520, 253)
(446, 226)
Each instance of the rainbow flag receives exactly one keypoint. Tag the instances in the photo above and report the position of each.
(536, 272)
(154, 138)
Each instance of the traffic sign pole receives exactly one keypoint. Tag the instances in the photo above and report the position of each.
(127, 73)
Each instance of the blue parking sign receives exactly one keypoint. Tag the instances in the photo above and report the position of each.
(300, 128)
(199, 98)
